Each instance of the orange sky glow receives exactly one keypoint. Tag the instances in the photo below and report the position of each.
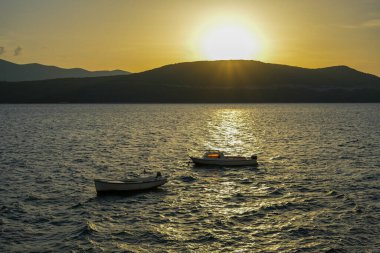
(141, 35)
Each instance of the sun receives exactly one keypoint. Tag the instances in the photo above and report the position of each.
(229, 41)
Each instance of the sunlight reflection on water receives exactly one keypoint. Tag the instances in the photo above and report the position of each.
(226, 129)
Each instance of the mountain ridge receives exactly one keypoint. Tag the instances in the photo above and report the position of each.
(232, 81)
(13, 72)
(248, 72)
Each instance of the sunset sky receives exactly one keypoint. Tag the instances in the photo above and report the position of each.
(140, 35)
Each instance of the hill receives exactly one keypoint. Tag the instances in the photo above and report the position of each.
(237, 81)
(12, 72)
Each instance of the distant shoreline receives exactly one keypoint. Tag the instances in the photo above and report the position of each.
(198, 103)
(205, 82)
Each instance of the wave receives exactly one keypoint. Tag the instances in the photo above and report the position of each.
(33, 197)
(246, 181)
(278, 158)
(277, 192)
(187, 179)
(153, 237)
(278, 206)
(87, 230)
(205, 238)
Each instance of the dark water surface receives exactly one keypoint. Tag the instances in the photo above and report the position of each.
(317, 188)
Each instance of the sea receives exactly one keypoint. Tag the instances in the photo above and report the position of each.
(316, 188)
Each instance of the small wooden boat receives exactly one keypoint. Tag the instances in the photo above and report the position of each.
(218, 158)
(129, 185)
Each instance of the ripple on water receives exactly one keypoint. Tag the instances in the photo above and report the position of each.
(316, 189)
(187, 179)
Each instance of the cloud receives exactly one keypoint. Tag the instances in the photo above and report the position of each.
(372, 23)
(2, 50)
(368, 24)
(17, 51)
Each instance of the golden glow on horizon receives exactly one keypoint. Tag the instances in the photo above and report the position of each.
(230, 41)
(143, 35)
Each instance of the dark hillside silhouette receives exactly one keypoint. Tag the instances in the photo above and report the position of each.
(206, 82)
(12, 72)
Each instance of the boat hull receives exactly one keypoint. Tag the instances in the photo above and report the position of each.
(224, 162)
(105, 186)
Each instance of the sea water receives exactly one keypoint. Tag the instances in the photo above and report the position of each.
(316, 189)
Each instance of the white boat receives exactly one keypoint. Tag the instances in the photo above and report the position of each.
(219, 158)
(129, 185)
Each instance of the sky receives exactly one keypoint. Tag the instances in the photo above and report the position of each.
(140, 35)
